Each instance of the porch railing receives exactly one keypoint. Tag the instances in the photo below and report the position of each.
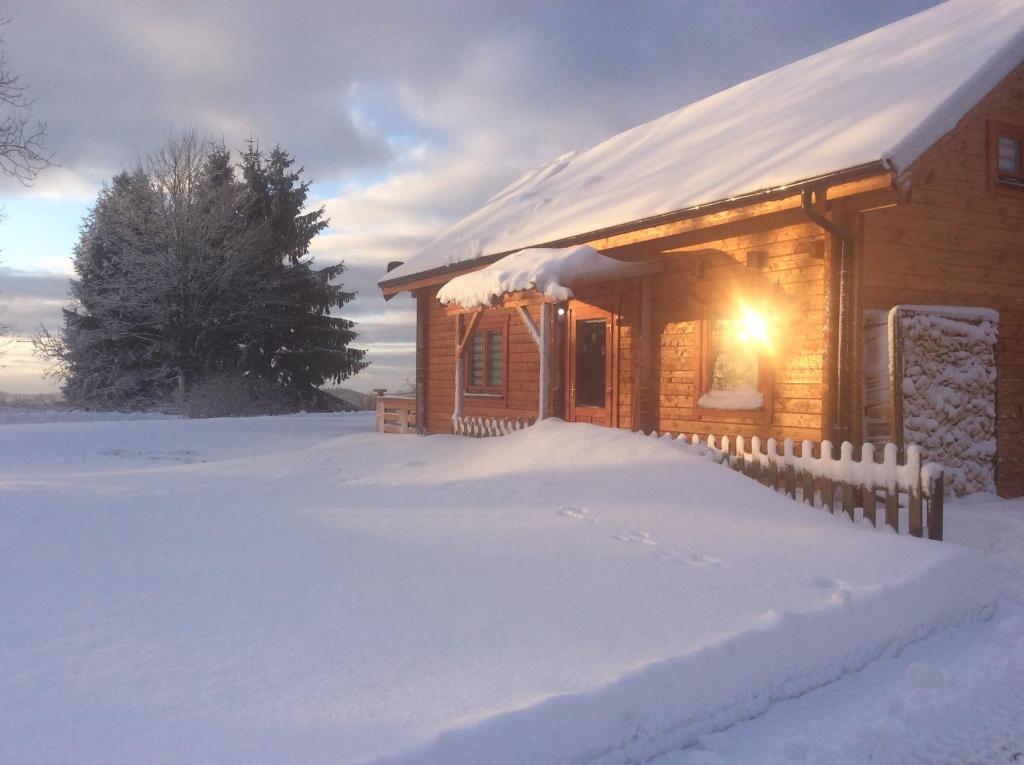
(396, 414)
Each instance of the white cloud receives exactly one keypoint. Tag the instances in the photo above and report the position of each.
(61, 183)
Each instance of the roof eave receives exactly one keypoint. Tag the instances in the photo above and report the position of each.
(391, 287)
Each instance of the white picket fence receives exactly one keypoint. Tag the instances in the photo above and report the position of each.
(905, 495)
(485, 427)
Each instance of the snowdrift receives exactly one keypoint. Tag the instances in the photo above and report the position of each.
(291, 589)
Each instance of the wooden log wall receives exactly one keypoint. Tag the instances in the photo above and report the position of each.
(520, 401)
(960, 241)
(787, 281)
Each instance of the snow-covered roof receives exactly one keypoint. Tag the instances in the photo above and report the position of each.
(548, 271)
(883, 97)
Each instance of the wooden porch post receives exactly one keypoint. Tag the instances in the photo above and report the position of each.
(462, 338)
(460, 378)
(544, 398)
(647, 404)
(542, 338)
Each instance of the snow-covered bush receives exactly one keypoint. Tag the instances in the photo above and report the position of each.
(235, 395)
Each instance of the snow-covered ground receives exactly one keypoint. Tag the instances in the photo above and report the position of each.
(296, 589)
(956, 698)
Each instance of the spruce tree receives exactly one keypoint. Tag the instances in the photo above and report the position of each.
(187, 272)
(306, 346)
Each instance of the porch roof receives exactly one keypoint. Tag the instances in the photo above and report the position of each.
(552, 272)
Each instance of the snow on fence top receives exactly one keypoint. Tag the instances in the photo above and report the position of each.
(885, 96)
(548, 271)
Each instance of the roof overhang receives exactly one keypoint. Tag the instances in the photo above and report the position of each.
(868, 177)
(554, 289)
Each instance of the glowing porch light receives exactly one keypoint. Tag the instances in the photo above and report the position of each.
(752, 328)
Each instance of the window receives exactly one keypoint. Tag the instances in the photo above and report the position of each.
(486, 355)
(732, 367)
(1006, 149)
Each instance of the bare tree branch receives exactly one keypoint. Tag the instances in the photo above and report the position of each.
(23, 151)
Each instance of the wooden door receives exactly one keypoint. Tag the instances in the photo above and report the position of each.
(590, 365)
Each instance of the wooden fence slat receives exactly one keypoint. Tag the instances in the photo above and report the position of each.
(807, 479)
(790, 468)
(806, 475)
(849, 503)
(772, 451)
(916, 502)
(892, 508)
(890, 463)
(846, 467)
(936, 495)
(868, 501)
(828, 494)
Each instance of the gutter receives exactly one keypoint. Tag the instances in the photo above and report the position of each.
(762, 195)
(841, 326)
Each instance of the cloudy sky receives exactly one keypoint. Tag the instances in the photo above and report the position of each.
(407, 115)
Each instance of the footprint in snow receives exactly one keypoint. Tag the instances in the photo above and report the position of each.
(696, 559)
(691, 559)
(577, 514)
(642, 537)
(838, 590)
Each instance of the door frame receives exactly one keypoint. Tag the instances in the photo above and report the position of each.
(578, 310)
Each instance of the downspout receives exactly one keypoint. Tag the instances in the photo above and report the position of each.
(841, 283)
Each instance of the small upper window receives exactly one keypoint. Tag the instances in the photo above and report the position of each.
(1007, 160)
(485, 358)
(1009, 156)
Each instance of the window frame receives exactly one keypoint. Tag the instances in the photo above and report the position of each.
(705, 370)
(486, 325)
(1005, 181)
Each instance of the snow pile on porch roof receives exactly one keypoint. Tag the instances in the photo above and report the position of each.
(548, 271)
(885, 96)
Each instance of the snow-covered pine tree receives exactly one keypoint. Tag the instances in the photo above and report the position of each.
(105, 351)
(187, 273)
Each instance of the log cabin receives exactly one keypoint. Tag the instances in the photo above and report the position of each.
(754, 263)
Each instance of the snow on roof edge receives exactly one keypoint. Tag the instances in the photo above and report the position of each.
(948, 115)
(853, 171)
(547, 270)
